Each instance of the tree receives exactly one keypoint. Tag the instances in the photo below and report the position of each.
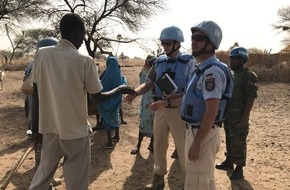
(103, 18)
(15, 13)
(14, 46)
(284, 23)
(28, 39)
(17, 10)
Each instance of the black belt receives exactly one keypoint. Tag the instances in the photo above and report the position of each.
(197, 126)
(159, 98)
(191, 126)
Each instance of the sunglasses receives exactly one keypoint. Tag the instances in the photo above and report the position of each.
(166, 43)
(199, 38)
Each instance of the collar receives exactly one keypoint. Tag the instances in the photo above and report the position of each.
(173, 60)
(206, 62)
(66, 43)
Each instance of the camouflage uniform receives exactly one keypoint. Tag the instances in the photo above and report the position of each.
(245, 86)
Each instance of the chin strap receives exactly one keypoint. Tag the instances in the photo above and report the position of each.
(173, 50)
(202, 51)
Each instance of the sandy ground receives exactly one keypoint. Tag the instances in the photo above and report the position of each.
(268, 162)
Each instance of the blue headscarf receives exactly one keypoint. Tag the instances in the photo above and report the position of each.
(111, 79)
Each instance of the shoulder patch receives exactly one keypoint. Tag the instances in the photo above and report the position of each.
(209, 83)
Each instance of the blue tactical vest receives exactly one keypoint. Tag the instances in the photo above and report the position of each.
(176, 69)
(28, 70)
(193, 104)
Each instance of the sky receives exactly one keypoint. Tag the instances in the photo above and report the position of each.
(248, 22)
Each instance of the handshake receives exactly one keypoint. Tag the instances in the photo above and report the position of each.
(124, 89)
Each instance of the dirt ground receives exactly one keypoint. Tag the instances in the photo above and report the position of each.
(268, 162)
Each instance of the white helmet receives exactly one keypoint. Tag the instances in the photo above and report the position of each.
(172, 33)
(211, 29)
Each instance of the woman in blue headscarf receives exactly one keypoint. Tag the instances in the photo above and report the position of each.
(110, 109)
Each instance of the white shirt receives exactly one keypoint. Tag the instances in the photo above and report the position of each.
(63, 77)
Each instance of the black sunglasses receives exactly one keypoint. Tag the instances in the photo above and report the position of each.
(166, 43)
(199, 38)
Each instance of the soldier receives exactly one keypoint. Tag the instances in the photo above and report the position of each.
(237, 119)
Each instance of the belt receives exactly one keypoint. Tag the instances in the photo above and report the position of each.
(191, 126)
(168, 106)
(197, 126)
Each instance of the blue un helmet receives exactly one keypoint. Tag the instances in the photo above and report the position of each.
(211, 29)
(239, 52)
(172, 33)
(48, 41)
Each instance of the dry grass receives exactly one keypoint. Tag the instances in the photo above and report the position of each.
(269, 68)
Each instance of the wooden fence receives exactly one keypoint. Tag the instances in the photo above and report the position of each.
(268, 67)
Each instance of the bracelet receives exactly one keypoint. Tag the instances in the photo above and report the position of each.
(169, 104)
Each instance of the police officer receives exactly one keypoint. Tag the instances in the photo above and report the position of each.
(237, 119)
(179, 66)
(203, 106)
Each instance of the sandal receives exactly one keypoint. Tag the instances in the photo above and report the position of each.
(135, 151)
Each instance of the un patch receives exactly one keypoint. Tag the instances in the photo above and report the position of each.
(210, 84)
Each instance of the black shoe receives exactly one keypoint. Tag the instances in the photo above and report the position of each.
(225, 165)
(237, 174)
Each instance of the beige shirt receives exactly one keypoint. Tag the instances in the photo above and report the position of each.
(63, 77)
